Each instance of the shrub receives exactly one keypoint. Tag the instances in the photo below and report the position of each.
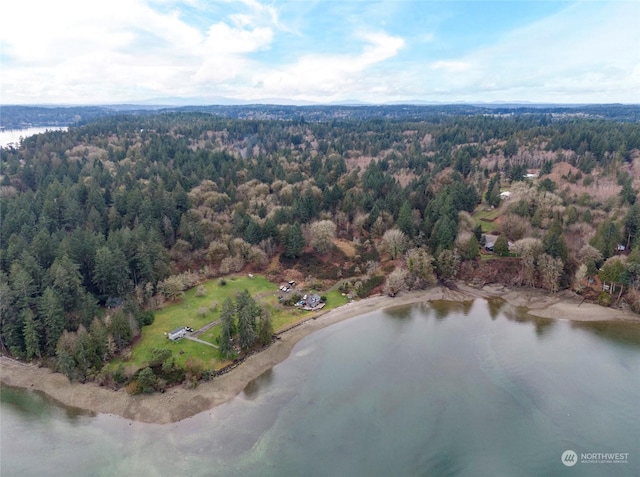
(208, 374)
(159, 356)
(604, 299)
(119, 375)
(194, 367)
(146, 380)
(369, 285)
(133, 388)
(145, 318)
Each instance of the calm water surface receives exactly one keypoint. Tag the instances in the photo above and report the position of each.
(475, 389)
(13, 136)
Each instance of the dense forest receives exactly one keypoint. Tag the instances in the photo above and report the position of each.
(16, 117)
(101, 223)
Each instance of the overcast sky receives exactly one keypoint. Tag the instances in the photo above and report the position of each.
(67, 51)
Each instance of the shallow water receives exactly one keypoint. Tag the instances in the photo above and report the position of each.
(449, 389)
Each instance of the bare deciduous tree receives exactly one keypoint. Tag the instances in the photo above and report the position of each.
(231, 264)
(420, 266)
(396, 282)
(528, 249)
(448, 264)
(550, 270)
(322, 234)
(580, 277)
(394, 242)
(217, 251)
(591, 257)
(515, 227)
(172, 287)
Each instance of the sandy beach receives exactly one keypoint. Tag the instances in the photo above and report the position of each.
(179, 403)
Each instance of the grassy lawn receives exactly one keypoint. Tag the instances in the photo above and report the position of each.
(482, 213)
(187, 312)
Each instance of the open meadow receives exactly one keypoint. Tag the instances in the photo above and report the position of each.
(200, 306)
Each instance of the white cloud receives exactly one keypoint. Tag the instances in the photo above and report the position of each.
(588, 52)
(116, 51)
(123, 50)
(331, 76)
(451, 66)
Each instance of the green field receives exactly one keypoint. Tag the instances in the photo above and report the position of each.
(488, 215)
(198, 311)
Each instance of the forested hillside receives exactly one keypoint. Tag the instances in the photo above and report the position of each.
(120, 209)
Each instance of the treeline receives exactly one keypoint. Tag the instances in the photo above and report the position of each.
(108, 214)
(16, 116)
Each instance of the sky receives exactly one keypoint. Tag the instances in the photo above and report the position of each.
(200, 51)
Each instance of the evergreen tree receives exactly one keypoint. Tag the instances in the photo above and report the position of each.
(444, 233)
(265, 327)
(470, 249)
(31, 335)
(228, 328)
(501, 247)
(253, 233)
(493, 191)
(120, 329)
(22, 287)
(294, 244)
(607, 238)
(52, 313)
(247, 310)
(111, 271)
(65, 279)
(405, 220)
(147, 380)
(553, 242)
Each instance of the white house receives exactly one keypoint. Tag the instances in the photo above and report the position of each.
(178, 333)
(505, 195)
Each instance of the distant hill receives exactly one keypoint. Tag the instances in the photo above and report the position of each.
(16, 116)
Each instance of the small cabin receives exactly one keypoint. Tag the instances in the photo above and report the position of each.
(178, 333)
(505, 195)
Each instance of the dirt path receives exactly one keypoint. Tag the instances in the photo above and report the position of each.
(205, 328)
(193, 338)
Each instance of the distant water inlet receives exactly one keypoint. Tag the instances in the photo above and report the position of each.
(462, 389)
(13, 136)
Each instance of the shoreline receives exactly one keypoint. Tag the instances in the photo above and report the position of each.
(179, 403)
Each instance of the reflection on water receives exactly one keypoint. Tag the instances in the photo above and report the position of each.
(443, 308)
(618, 332)
(252, 389)
(494, 305)
(37, 406)
(465, 389)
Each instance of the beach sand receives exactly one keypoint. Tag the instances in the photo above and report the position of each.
(179, 403)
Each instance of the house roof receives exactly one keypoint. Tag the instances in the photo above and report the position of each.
(177, 330)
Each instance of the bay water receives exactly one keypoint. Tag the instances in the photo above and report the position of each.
(446, 389)
(13, 136)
